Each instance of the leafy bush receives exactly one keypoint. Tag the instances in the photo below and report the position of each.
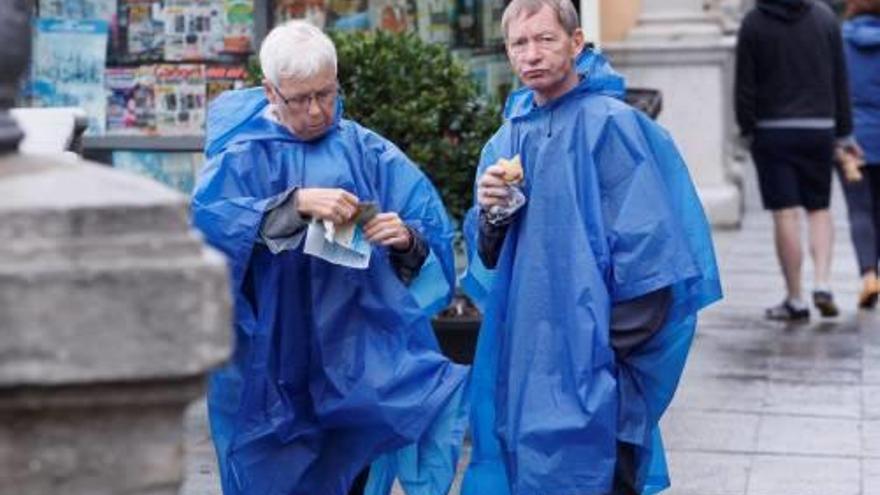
(421, 98)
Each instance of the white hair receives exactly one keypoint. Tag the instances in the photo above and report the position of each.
(296, 49)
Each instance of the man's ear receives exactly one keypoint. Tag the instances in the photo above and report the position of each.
(577, 40)
(270, 92)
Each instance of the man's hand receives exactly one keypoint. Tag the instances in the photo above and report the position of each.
(388, 229)
(852, 147)
(492, 188)
(336, 205)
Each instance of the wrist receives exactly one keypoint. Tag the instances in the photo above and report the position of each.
(406, 246)
(299, 204)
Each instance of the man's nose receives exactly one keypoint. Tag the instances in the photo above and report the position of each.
(532, 54)
(314, 108)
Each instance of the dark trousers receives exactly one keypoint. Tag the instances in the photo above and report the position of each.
(625, 470)
(360, 483)
(863, 207)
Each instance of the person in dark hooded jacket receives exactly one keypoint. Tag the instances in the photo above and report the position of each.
(861, 34)
(792, 103)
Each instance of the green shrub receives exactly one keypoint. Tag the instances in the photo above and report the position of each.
(423, 99)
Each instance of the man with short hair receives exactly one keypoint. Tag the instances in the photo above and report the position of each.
(590, 266)
(335, 362)
(792, 106)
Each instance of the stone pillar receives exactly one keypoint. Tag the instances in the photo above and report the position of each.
(678, 47)
(111, 313)
(591, 15)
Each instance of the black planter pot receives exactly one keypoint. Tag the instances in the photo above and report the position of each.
(647, 100)
(458, 336)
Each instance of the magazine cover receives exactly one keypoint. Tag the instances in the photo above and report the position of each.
(313, 11)
(180, 99)
(103, 10)
(238, 33)
(193, 30)
(222, 78)
(176, 170)
(68, 67)
(131, 105)
(435, 20)
(140, 34)
(394, 16)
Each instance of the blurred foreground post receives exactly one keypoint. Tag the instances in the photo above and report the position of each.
(112, 311)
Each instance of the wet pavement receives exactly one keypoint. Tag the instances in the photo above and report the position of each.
(769, 408)
(764, 408)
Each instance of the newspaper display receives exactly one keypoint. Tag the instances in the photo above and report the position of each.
(220, 78)
(103, 10)
(131, 102)
(238, 30)
(180, 99)
(140, 36)
(68, 67)
(193, 30)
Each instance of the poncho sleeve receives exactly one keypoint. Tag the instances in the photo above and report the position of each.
(646, 238)
(233, 192)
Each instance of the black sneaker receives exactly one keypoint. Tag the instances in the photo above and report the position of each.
(824, 302)
(786, 312)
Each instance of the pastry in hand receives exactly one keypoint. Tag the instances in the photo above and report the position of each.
(850, 164)
(513, 171)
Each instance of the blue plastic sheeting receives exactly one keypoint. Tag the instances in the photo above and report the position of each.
(333, 366)
(611, 215)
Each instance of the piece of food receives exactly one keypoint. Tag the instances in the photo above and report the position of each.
(851, 165)
(513, 171)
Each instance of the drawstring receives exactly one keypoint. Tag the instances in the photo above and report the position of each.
(550, 124)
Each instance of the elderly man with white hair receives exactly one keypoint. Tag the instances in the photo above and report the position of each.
(339, 251)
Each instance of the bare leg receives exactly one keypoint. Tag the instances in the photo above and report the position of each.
(821, 243)
(787, 232)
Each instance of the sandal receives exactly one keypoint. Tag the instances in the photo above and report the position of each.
(786, 312)
(824, 302)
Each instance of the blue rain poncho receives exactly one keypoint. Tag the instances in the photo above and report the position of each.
(861, 36)
(611, 215)
(333, 366)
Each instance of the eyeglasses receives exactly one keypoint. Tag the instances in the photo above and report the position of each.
(323, 98)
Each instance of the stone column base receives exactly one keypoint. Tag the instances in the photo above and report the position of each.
(95, 439)
(723, 205)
